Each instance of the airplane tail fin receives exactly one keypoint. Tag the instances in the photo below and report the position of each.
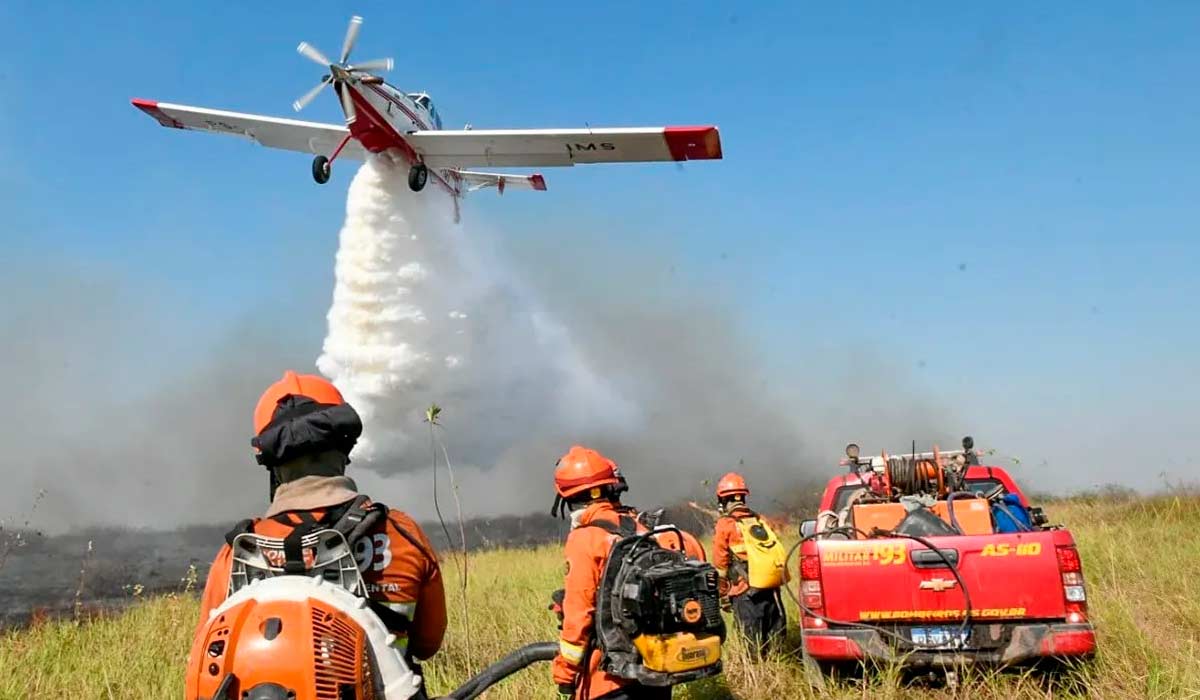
(477, 181)
(471, 181)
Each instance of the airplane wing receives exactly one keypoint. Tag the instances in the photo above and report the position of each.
(478, 181)
(564, 147)
(288, 134)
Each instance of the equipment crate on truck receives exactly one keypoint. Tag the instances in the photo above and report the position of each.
(933, 560)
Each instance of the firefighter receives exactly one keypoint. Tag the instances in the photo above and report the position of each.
(588, 487)
(304, 431)
(758, 611)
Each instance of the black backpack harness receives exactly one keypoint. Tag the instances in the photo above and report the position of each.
(353, 519)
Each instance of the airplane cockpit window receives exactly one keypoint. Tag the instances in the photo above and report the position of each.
(423, 100)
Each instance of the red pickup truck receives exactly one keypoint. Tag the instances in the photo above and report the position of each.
(871, 596)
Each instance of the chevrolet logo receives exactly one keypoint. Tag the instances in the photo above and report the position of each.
(938, 585)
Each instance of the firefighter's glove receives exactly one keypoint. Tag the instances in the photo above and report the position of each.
(556, 605)
(566, 692)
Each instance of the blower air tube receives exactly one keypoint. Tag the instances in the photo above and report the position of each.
(519, 659)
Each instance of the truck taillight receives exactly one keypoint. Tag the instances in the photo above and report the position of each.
(1068, 559)
(810, 582)
(1074, 594)
(810, 567)
(1072, 580)
(1073, 587)
(810, 593)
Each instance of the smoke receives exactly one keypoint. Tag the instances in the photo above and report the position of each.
(420, 316)
(118, 414)
(423, 313)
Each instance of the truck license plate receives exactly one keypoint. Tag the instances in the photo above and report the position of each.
(943, 637)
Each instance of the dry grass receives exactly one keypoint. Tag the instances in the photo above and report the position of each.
(1141, 557)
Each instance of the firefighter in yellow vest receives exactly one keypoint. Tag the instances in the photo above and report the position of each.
(751, 561)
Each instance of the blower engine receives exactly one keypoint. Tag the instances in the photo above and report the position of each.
(658, 618)
(311, 636)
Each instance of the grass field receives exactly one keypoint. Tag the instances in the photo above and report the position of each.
(1141, 558)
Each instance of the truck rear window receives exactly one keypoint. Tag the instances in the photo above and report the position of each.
(842, 496)
(984, 486)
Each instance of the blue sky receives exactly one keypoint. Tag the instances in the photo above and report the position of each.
(1000, 201)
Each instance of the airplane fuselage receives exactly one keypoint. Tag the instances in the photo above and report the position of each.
(384, 114)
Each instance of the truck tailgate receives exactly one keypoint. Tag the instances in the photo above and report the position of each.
(1010, 576)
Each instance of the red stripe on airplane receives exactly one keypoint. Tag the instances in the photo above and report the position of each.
(403, 107)
(394, 138)
(151, 107)
(693, 142)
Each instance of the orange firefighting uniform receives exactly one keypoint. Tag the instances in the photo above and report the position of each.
(727, 544)
(759, 612)
(398, 566)
(586, 554)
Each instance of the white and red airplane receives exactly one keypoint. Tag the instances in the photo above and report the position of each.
(380, 117)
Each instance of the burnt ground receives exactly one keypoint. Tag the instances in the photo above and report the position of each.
(42, 575)
(47, 576)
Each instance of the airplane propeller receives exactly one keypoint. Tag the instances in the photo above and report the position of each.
(342, 73)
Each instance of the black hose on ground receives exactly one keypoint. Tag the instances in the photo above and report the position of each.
(517, 660)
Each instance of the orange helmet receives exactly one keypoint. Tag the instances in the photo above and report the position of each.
(311, 386)
(732, 484)
(581, 469)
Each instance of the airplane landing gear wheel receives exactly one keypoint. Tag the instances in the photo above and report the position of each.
(417, 177)
(321, 169)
